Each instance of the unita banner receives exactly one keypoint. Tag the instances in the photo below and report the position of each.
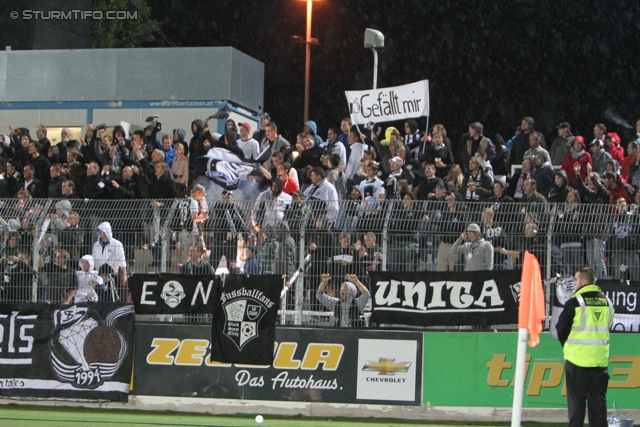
(389, 103)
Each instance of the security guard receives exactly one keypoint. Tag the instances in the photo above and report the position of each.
(583, 331)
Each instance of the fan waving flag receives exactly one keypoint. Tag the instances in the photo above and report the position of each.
(531, 309)
(227, 169)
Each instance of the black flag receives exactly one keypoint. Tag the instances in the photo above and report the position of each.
(244, 319)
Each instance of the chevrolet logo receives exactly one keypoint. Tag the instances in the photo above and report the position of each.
(386, 366)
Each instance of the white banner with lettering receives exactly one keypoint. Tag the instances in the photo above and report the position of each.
(389, 103)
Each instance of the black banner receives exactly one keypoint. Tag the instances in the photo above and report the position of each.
(308, 365)
(624, 297)
(445, 299)
(82, 351)
(173, 293)
(244, 319)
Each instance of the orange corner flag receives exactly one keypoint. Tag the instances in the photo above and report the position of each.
(531, 309)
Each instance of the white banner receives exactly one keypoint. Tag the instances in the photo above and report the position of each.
(389, 103)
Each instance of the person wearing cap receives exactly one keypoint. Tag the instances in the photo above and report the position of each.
(357, 150)
(561, 144)
(477, 185)
(476, 141)
(612, 146)
(249, 146)
(599, 155)
(579, 155)
(476, 251)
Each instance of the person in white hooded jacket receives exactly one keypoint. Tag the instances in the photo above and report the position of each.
(87, 279)
(107, 250)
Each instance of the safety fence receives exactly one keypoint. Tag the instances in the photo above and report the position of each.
(44, 239)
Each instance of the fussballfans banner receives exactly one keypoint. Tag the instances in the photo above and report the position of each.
(389, 103)
(173, 293)
(447, 298)
(626, 316)
(244, 319)
(82, 351)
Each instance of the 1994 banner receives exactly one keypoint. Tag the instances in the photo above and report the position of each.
(82, 351)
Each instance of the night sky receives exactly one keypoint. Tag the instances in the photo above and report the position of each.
(492, 61)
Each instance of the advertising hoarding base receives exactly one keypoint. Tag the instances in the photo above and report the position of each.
(321, 409)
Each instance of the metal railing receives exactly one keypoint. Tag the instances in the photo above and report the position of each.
(43, 240)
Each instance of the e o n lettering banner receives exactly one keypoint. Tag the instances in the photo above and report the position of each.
(446, 298)
(82, 351)
(173, 293)
(389, 103)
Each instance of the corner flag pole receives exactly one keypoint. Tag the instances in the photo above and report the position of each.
(531, 311)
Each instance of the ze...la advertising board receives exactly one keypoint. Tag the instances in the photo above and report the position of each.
(478, 369)
(346, 366)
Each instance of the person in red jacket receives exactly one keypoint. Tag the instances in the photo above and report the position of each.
(616, 188)
(577, 154)
(630, 159)
(612, 145)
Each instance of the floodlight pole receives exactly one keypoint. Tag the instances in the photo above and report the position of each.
(307, 64)
(375, 68)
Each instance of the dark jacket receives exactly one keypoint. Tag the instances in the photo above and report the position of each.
(55, 187)
(37, 189)
(94, 188)
(558, 194)
(544, 177)
(41, 168)
(197, 135)
(429, 186)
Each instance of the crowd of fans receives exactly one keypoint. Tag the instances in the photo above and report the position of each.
(472, 204)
